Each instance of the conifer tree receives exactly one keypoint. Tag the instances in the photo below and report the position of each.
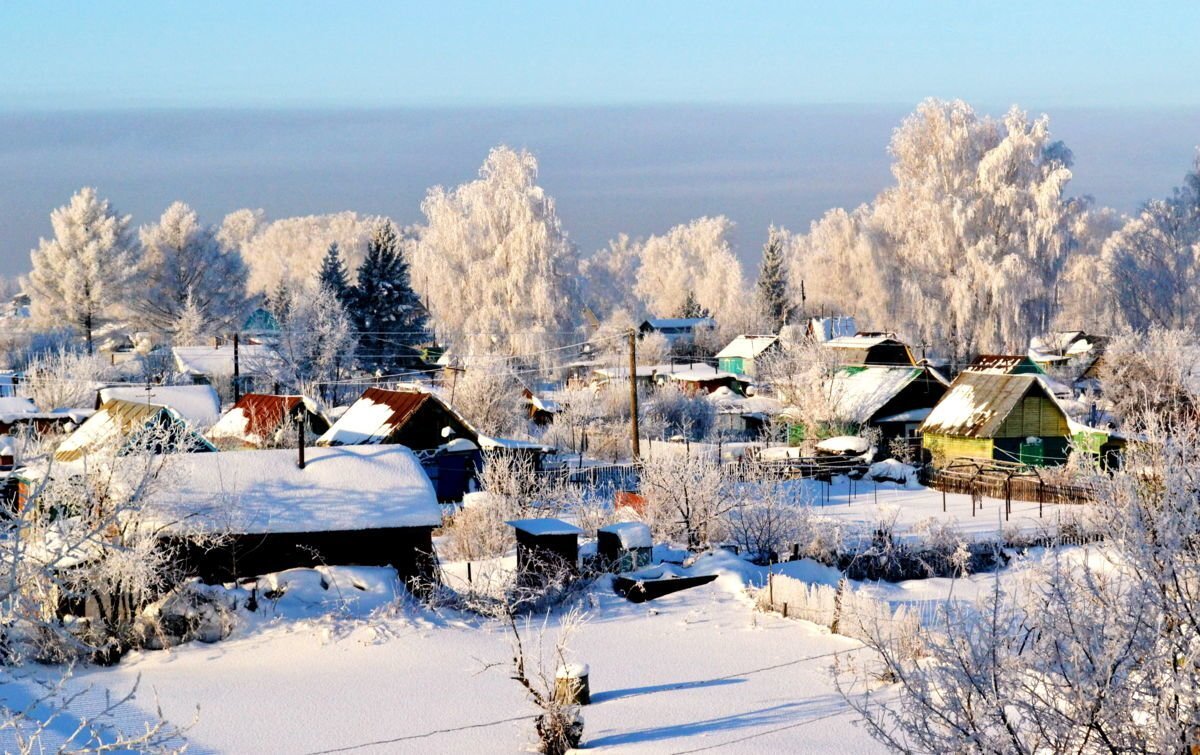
(691, 308)
(771, 290)
(332, 275)
(386, 312)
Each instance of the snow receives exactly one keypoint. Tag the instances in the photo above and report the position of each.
(198, 404)
(892, 470)
(572, 671)
(912, 415)
(747, 347)
(233, 425)
(859, 392)
(364, 422)
(544, 527)
(217, 361)
(16, 406)
(845, 444)
(631, 534)
(340, 488)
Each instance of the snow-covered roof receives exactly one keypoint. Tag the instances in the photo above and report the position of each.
(119, 422)
(912, 415)
(258, 492)
(217, 361)
(198, 404)
(377, 415)
(649, 370)
(857, 393)
(256, 418)
(857, 341)
(544, 527)
(748, 347)
(1004, 364)
(12, 407)
(728, 402)
(845, 444)
(978, 403)
(678, 323)
(631, 534)
(703, 376)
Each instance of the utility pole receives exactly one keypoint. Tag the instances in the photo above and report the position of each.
(633, 399)
(237, 372)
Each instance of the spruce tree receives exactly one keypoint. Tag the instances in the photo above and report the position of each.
(771, 290)
(385, 310)
(691, 308)
(332, 275)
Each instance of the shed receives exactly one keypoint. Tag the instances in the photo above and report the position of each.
(546, 546)
(261, 420)
(871, 349)
(412, 417)
(368, 506)
(17, 412)
(1005, 417)
(131, 426)
(741, 355)
(198, 404)
(625, 546)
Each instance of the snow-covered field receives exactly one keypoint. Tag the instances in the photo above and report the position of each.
(339, 664)
(693, 671)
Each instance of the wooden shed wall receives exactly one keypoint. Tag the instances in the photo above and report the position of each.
(943, 447)
(1035, 416)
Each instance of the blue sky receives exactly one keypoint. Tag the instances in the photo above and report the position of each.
(139, 53)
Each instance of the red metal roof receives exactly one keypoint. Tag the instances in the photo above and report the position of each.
(265, 413)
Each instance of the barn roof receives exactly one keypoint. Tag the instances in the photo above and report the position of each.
(255, 418)
(856, 349)
(118, 421)
(198, 404)
(678, 323)
(748, 347)
(252, 492)
(537, 527)
(978, 403)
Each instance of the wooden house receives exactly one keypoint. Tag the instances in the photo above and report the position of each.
(894, 400)
(1005, 417)
(704, 381)
(450, 448)
(546, 547)
(871, 349)
(129, 426)
(260, 420)
(741, 356)
(360, 505)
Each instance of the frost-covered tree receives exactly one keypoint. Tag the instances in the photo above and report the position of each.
(694, 261)
(183, 261)
(489, 397)
(190, 325)
(316, 342)
(239, 227)
(333, 275)
(1153, 262)
(81, 275)
(292, 249)
(771, 289)
(691, 309)
(608, 278)
(497, 269)
(1085, 299)
(386, 311)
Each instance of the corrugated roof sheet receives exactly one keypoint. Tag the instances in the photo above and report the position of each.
(1003, 364)
(116, 419)
(255, 418)
(977, 404)
(375, 416)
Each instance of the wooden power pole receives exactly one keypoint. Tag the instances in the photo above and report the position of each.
(237, 372)
(633, 400)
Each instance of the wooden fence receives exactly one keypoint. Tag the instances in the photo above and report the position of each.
(1008, 486)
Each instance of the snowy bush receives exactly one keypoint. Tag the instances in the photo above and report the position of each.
(686, 499)
(64, 378)
(768, 519)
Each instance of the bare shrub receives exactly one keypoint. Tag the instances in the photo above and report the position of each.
(686, 498)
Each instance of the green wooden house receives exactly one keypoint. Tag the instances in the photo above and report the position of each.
(1004, 417)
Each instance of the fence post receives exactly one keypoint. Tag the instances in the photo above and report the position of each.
(785, 609)
(943, 499)
(1041, 496)
(771, 590)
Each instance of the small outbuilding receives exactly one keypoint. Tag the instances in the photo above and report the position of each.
(129, 426)
(1012, 418)
(546, 546)
(625, 546)
(741, 356)
(871, 349)
(360, 505)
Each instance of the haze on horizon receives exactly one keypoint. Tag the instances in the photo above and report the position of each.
(641, 116)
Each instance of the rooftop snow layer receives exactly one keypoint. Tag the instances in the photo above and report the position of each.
(747, 347)
(857, 393)
(198, 404)
(544, 527)
(258, 492)
(631, 534)
(217, 361)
